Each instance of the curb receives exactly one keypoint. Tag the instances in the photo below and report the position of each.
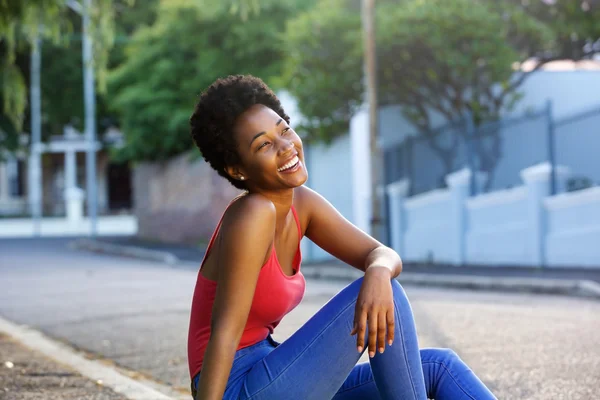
(577, 288)
(95, 370)
(126, 251)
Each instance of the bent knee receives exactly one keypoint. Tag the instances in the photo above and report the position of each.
(351, 291)
(439, 355)
(399, 293)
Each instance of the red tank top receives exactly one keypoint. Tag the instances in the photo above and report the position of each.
(276, 295)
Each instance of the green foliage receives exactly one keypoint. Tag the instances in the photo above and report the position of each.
(449, 57)
(433, 56)
(441, 59)
(323, 67)
(169, 63)
(22, 22)
(62, 75)
(576, 24)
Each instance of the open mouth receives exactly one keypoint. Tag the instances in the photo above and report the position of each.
(290, 165)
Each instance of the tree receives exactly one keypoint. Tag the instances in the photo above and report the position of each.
(62, 78)
(452, 58)
(435, 58)
(323, 67)
(575, 23)
(184, 51)
(465, 65)
(21, 22)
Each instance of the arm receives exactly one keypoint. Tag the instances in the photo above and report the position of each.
(245, 242)
(328, 229)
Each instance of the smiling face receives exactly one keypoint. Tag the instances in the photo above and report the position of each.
(270, 151)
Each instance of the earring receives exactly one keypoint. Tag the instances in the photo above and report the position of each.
(242, 178)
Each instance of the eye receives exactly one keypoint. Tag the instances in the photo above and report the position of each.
(263, 145)
(286, 130)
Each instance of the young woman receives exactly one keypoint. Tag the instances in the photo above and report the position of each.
(250, 278)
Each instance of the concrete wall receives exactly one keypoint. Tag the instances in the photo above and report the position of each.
(497, 227)
(179, 201)
(427, 226)
(329, 174)
(523, 226)
(573, 228)
(570, 91)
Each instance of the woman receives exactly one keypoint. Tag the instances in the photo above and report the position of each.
(250, 278)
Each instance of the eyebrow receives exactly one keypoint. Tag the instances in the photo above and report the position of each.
(259, 134)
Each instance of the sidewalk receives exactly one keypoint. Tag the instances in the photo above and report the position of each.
(27, 374)
(36, 366)
(566, 281)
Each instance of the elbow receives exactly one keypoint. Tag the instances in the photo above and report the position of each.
(386, 256)
(397, 261)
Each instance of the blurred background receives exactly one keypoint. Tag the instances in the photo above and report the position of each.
(95, 108)
(459, 132)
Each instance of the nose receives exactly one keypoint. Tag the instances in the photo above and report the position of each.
(285, 147)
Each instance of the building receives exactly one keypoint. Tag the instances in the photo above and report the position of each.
(63, 166)
(340, 171)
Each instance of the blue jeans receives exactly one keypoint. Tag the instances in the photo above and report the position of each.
(319, 362)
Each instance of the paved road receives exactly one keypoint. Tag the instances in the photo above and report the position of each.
(136, 313)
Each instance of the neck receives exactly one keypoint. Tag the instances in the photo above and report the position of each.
(283, 203)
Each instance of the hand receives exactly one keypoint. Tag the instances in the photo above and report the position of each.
(375, 307)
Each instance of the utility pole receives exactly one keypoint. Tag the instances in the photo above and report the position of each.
(35, 162)
(90, 117)
(89, 97)
(370, 68)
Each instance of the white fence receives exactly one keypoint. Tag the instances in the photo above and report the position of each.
(113, 225)
(522, 226)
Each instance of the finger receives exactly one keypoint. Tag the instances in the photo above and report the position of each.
(391, 326)
(356, 322)
(372, 333)
(361, 327)
(381, 327)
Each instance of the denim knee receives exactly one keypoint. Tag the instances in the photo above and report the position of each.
(442, 356)
(355, 286)
(399, 293)
(397, 289)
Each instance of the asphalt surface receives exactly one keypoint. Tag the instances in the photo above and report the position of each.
(136, 313)
(26, 375)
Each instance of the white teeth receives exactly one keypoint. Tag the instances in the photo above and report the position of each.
(291, 163)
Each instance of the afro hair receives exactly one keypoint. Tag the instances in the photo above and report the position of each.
(215, 115)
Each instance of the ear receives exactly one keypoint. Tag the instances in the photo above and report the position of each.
(236, 173)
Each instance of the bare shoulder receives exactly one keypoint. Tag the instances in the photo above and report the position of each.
(252, 211)
(304, 197)
(307, 200)
(312, 206)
